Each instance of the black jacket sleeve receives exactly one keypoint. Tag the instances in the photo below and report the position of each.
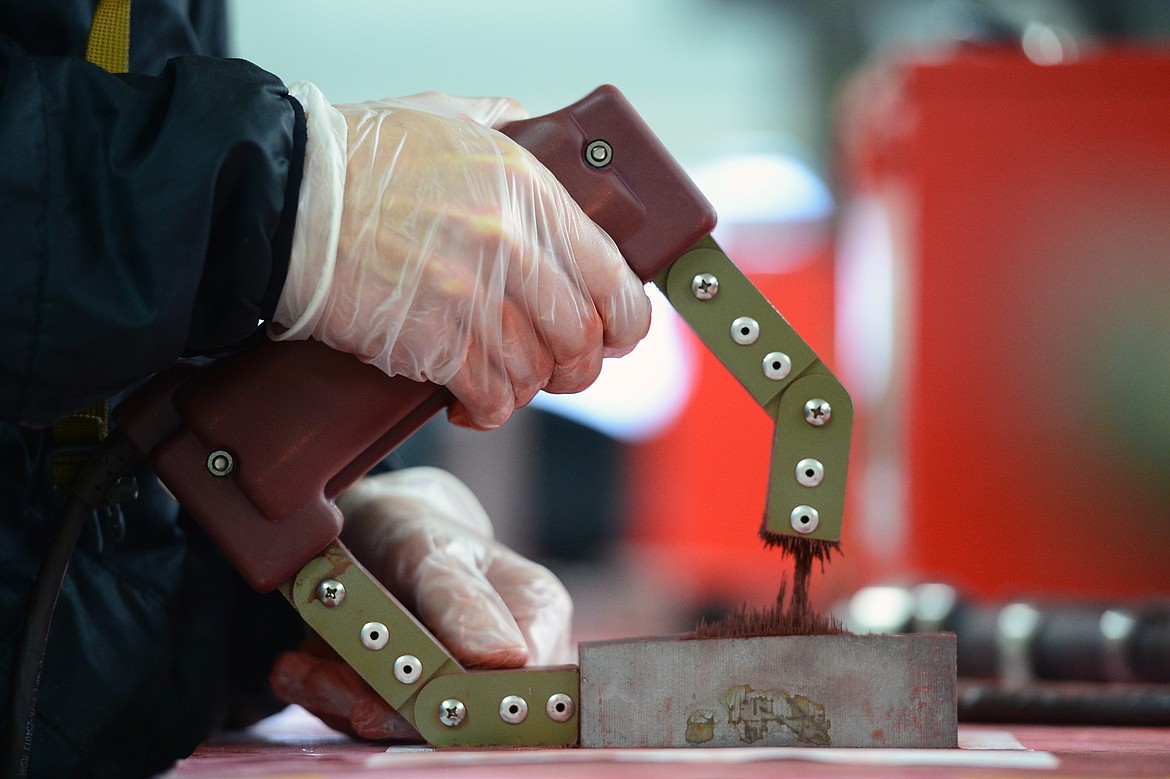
(141, 219)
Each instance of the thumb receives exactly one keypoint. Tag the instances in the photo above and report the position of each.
(456, 600)
(539, 603)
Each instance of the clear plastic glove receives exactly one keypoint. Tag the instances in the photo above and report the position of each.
(426, 537)
(457, 258)
(316, 678)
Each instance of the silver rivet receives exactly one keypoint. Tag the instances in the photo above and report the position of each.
(810, 472)
(330, 592)
(704, 286)
(513, 709)
(745, 330)
(560, 707)
(817, 412)
(599, 154)
(805, 519)
(777, 365)
(452, 712)
(407, 669)
(374, 635)
(220, 462)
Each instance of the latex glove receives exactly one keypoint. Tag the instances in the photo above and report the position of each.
(316, 678)
(456, 257)
(424, 534)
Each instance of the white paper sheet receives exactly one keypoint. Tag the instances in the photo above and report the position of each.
(980, 748)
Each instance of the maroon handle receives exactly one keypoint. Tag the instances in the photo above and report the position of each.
(301, 422)
(622, 177)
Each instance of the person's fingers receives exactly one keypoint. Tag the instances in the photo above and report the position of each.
(460, 259)
(287, 677)
(544, 262)
(373, 719)
(331, 690)
(394, 503)
(590, 304)
(548, 333)
(566, 313)
(430, 541)
(458, 415)
(455, 600)
(497, 378)
(433, 541)
(539, 603)
(619, 295)
(293, 679)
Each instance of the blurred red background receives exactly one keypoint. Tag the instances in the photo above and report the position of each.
(1015, 254)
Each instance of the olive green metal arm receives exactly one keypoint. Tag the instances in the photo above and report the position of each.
(450, 706)
(408, 667)
(813, 414)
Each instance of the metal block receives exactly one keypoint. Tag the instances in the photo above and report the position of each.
(839, 691)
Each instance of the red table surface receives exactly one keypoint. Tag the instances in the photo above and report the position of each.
(1081, 751)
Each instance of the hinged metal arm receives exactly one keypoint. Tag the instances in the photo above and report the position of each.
(408, 667)
(812, 411)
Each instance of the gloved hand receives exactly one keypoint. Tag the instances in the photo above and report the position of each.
(426, 537)
(456, 257)
(315, 677)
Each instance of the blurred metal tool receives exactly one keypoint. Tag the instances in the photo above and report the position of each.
(1037, 661)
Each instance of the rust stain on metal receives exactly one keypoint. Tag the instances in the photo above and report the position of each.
(700, 727)
(818, 690)
(756, 714)
(341, 562)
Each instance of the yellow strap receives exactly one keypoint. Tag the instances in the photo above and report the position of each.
(76, 434)
(109, 48)
(109, 36)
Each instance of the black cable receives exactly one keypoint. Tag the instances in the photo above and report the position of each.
(90, 490)
(30, 652)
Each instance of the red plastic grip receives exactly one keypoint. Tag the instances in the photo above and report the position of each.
(637, 193)
(300, 422)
